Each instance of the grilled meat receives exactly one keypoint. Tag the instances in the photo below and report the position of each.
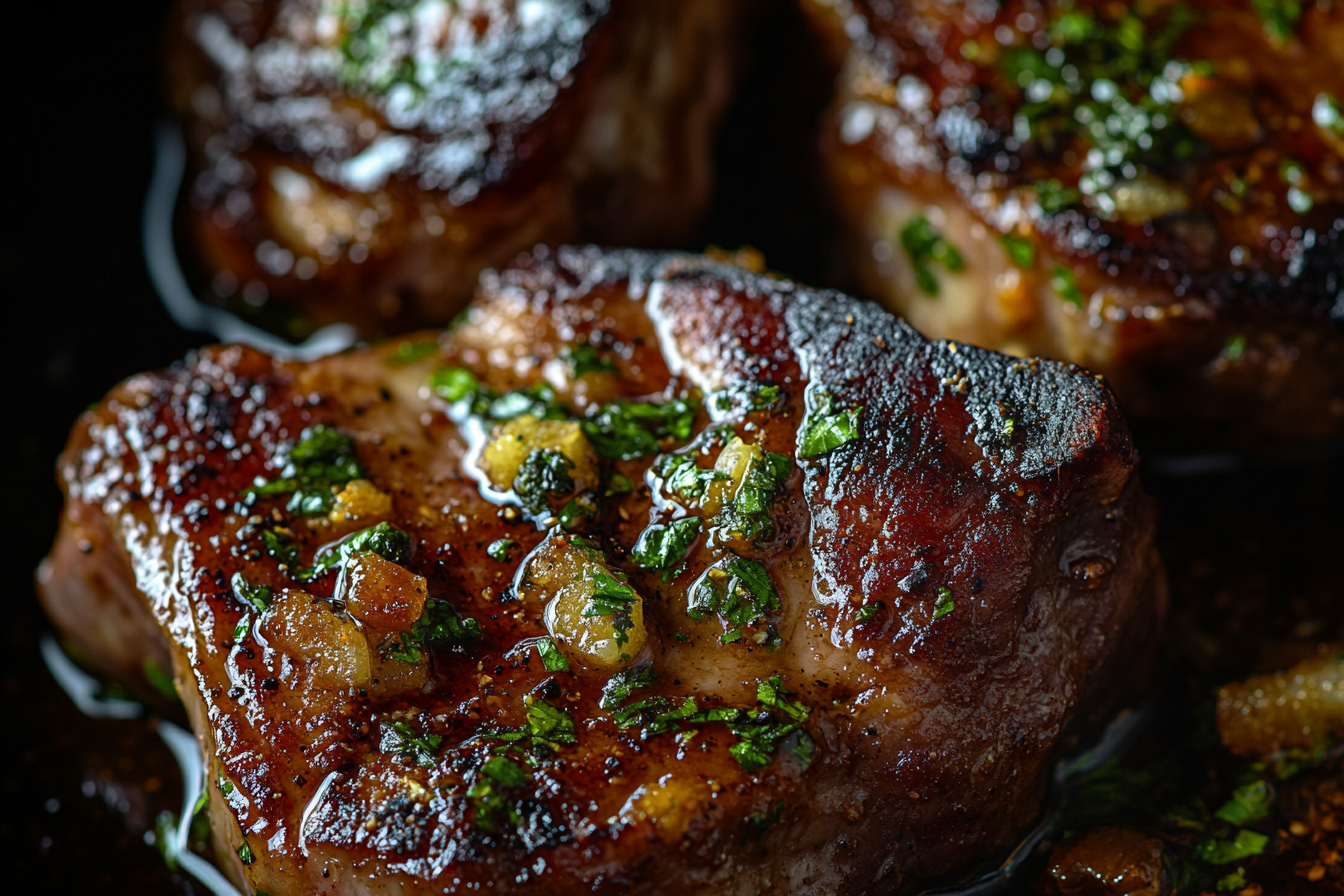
(654, 574)
(1153, 191)
(363, 162)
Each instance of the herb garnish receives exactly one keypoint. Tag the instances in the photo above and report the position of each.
(551, 656)
(453, 384)
(925, 246)
(544, 473)
(611, 595)
(403, 740)
(499, 549)
(256, 596)
(824, 429)
(945, 604)
(322, 459)
(682, 477)
(1280, 16)
(1065, 285)
(742, 593)
(583, 359)
(387, 542)
(1021, 250)
(760, 822)
(868, 611)
(627, 430)
(664, 547)
(1221, 852)
(747, 515)
(1248, 803)
(493, 809)
(408, 352)
(619, 687)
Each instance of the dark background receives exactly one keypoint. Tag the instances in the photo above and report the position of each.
(1254, 555)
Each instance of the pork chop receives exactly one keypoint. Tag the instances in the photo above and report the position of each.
(653, 575)
(1153, 191)
(362, 162)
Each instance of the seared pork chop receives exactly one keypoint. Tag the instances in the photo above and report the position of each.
(1154, 191)
(653, 575)
(362, 162)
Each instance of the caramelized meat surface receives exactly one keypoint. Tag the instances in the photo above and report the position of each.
(652, 575)
(363, 162)
(1154, 191)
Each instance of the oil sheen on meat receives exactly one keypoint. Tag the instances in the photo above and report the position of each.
(653, 575)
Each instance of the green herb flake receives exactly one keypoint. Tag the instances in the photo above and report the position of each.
(551, 656)
(760, 822)
(1065, 285)
(868, 611)
(279, 545)
(611, 594)
(1235, 347)
(494, 811)
(663, 548)
(408, 352)
(924, 246)
(618, 485)
(681, 476)
(1248, 803)
(578, 508)
(323, 459)
(627, 430)
(441, 623)
(159, 679)
(386, 541)
(1052, 196)
(823, 429)
(621, 685)
(403, 740)
(245, 853)
(1280, 17)
(550, 724)
(945, 604)
(1021, 250)
(499, 549)
(584, 359)
(1230, 883)
(741, 592)
(453, 384)
(1223, 852)
(256, 596)
(545, 472)
(747, 515)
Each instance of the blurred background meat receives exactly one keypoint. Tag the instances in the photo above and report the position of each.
(1153, 191)
(363, 161)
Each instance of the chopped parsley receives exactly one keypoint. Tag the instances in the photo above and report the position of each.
(441, 623)
(1248, 803)
(499, 549)
(618, 485)
(627, 430)
(1065, 285)
(682, 477)
(494, 810)
(1021, 250)
(945, 604)
(323, 459)
(1222, 852)
(578, 508)
(549, 725)
(551, 656)
(823, 429)
(1232, 882)
(245, 853)
(544, 473)
(1280, 16)
(741, 592)
(159, 679)
(760, 732)
(584, 359)
(611, 595)
(619, 687)
(1052, 196)
(403, 740)
(747, 515)
(387, 542)
(280, 545)
(868, 611)
(760, 822)
(258, 597)
(925, 246)
(664, 547)
(453, 384)
(1006, 411)
(408, 352)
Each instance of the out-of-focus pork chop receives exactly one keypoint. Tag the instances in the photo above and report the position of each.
(654, 575)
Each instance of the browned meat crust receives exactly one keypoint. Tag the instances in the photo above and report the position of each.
(966, 583)
(363, 162)
(1155, 192)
